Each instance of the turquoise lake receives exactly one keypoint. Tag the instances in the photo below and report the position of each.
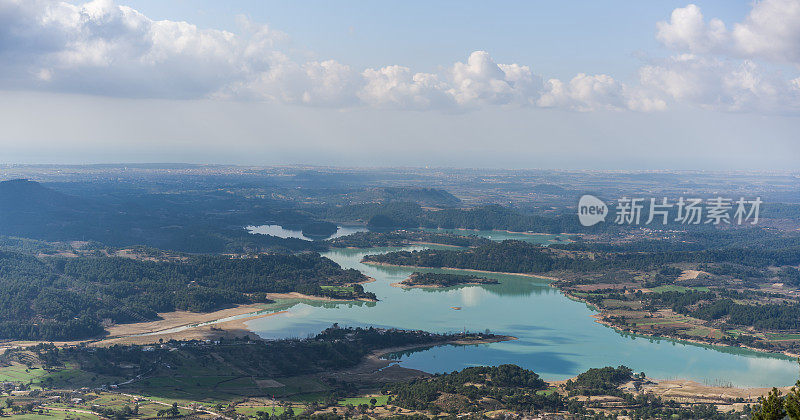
(557, 337)
(281, 232)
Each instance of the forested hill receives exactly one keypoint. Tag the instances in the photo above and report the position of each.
(524, 257)
(68, 298)
(506, 256)
(422, 196)
(188, 221)
(393, 215)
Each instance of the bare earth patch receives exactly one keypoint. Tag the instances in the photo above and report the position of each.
(689, 275)
(132, 333)
(682, 390)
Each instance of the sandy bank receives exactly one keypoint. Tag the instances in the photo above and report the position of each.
(227, 329)
(690, 391)
(195, 326)
(179, 319)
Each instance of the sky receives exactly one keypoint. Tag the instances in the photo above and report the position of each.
(509, 84)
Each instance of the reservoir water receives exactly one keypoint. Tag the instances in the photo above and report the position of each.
(557, 337)
(281, 232)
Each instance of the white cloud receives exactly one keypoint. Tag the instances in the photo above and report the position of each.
(584, 93)
(99, 47)
(770, 31)
(327, 83)
(482, 81)
(721, 84)
(687, 31)
(730, 69)
(399, 87)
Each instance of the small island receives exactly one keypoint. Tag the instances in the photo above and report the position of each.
(441, 280)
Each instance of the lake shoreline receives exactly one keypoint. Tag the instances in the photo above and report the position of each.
(553, 282)
(208, 325)
(598, 318)
(453, 341)
(432, 286)
(459, 269)
(506, 231)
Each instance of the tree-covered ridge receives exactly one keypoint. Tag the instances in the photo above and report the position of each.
(69, 298)
(523, 257)
(507, 256)
(404, 237)
(394, 215)
(189, 220)
(486, 391)
(776, 317)
(444, 280)
(331, 349)
(475, 389)
(600, 381)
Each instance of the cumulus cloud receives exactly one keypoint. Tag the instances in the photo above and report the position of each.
(398, 87)
(729, 69)
(100, 47)
(584, 93)
(325, 83)
(688, 31)
(721, 84)
(770, 31)
(481, 80)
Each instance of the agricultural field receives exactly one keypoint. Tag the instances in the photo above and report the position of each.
(220, 388)
(69, 376)
(54, 415)
(381, 400)
(677, 288)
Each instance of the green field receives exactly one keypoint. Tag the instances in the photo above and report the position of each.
(704, 332)
(676, 288)
(781, 337)
(222, 388)
(118, 402)
(253, 410)
(548, 391)
(620, 304)
(69, 376)
(18, 372)
(53, 415)
(652, 321)
(382, 399)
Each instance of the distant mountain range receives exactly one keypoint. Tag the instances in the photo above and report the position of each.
(202, 222)
(28, 208)
(431, 197)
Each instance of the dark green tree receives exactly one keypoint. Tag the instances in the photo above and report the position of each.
(771, 407)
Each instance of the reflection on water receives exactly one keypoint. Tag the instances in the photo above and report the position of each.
(500, 235)
(557, 336)
(279, 231)
(510, 285)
